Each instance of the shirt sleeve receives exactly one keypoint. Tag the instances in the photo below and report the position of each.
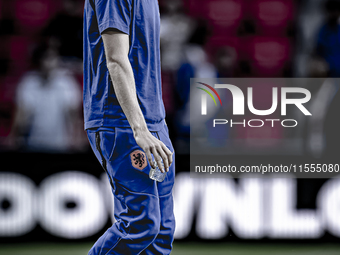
(114, 14)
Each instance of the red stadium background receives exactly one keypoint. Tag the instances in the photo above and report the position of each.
(56, 193)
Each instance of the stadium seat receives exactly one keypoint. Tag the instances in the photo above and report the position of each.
(32, 14)
(19, 48)
(271, 16)
(267, 55)
(224, 15)
(217, 42)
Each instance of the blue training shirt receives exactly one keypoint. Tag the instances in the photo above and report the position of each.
(139, 19)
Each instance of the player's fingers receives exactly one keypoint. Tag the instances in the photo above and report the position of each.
(164, 157)
(158, 158)
(168, 153)
(148, 155)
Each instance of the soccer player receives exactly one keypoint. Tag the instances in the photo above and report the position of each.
(124, 118)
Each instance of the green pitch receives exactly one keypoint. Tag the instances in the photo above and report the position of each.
(180, 249)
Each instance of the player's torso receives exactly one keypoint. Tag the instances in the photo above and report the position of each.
(144, 56)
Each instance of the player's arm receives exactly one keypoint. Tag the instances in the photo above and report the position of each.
(116, 46)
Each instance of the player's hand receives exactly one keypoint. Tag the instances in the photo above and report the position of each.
(151, 145)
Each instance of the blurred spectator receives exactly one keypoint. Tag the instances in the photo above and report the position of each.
(328, 42)
(225, 61)
(319, 124)
(48, 101)
(308, 19)
(66, 30)
(195, 64)
(176, 28)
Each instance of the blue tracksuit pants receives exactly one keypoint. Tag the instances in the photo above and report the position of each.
(143, 208)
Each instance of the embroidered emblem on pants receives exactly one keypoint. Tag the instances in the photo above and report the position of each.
(138, 159)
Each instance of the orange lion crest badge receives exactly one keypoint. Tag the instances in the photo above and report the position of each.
(138, 159)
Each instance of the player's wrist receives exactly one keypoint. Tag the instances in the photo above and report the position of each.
(139, 130)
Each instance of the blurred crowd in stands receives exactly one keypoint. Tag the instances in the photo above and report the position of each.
(41, 59)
